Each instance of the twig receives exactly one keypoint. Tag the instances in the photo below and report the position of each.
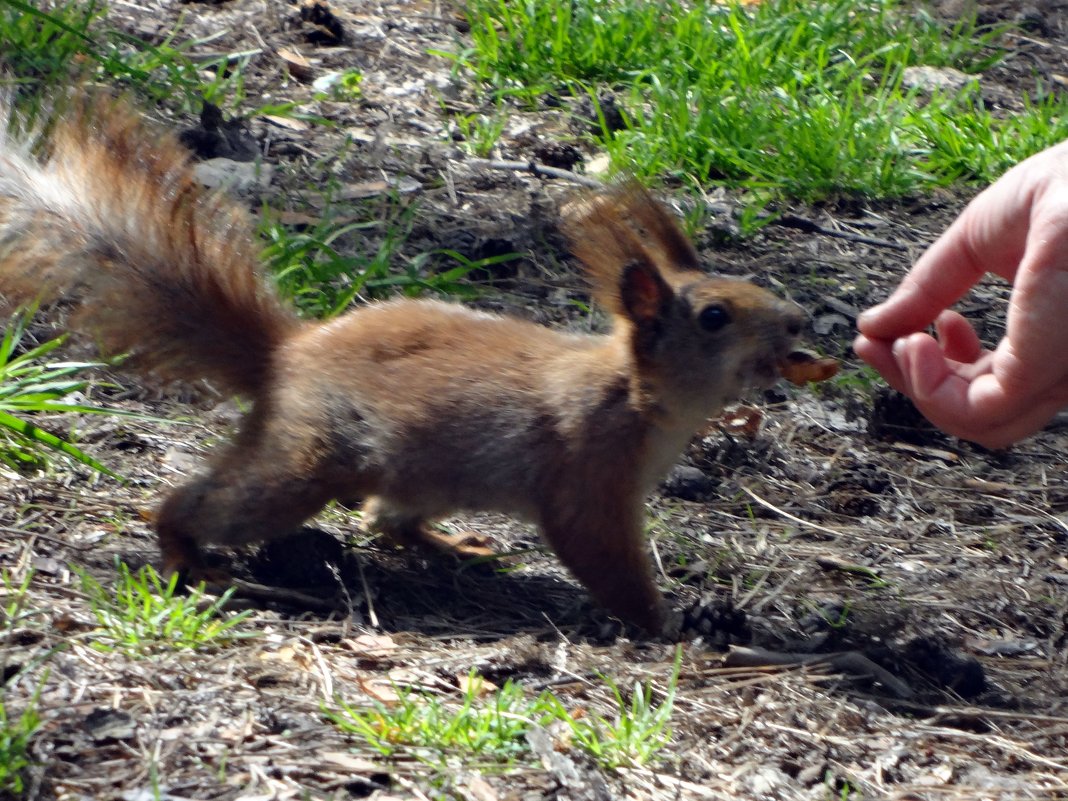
(788, 516)
(37, 535)
(1040, 43)
(372, 616)
(941, 712)
(538, 170)
(987, 740)
(852, 662)
(262, 592)
(813, 227)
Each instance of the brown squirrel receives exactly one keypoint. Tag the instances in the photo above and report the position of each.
(421, 407)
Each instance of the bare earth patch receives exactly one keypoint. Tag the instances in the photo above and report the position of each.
(895, 601)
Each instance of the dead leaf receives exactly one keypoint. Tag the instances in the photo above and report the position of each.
(473, 787)
(351, 763)
(936, 453)
(105, 725)
(291, 123)
(742, 421)
(370, 645)
(381, 690)
(290, 655)
(473, 683)
(326, 27)
(296, 218)
(298, 66)
(599, 164)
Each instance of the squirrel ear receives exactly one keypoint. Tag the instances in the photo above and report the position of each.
(644, 292)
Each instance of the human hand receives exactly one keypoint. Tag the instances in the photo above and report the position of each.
(1018, 229)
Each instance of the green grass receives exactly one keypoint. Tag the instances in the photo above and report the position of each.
(30, 384)
(479, 133)
(143, 614)
(636, 731)
(16, 731)
(324, 266)
(430, 728)
(44, 46)
(355, 251)
(13, 599)
(860, 380)
(785, 97)
(493, 726)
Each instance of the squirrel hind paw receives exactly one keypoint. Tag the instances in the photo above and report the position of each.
(462, 545)
(212, 579)
(184, 559)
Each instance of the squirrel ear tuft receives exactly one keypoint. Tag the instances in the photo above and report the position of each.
(660, 228)
(644, 293)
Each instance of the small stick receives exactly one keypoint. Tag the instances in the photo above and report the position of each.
(788, 516)
(851, 662)
(262, 592)
(813, 227)
(539, 170)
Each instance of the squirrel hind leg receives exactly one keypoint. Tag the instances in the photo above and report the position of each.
(406, 530)
(232, 507)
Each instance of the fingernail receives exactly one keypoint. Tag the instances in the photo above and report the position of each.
(867, 315)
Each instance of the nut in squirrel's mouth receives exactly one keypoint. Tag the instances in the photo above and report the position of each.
(801, 367)
(798, 366)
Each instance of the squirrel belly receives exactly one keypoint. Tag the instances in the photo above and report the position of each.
(421, 407)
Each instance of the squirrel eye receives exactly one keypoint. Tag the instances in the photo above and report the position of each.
(713, 317)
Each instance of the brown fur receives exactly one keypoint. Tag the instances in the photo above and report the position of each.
(169, 270)
(422, 407)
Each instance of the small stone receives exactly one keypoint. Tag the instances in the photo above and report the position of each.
(935, 79)
(687, 483)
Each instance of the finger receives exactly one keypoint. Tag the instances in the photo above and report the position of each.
(974, 409)
(878, 353)
(1030, 421)
(988, 236)
(941, 392)
(960, 346)
(957, 338)
(1032, 358)
(938, 280)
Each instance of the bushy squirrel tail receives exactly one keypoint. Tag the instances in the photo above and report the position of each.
(104, 210)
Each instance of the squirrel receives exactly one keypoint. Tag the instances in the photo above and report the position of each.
(419, 407)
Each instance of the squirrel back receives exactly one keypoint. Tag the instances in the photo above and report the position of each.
(106, 210)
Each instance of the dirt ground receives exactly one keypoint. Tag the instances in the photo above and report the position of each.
(923, 581)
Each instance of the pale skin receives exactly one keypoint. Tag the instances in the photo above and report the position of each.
(1018, 229)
